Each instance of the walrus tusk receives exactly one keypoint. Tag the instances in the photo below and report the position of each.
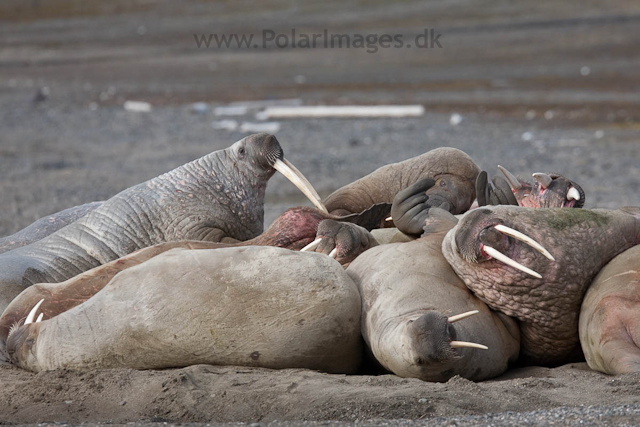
(32, 313)
(464, 344)
(461, 316)
(524, 238)
(389, 219)
(573, 194)
(333, 253)
(296, 177)
(39, 319)
(505, 259)
(311, 246)
(543, 179)
(511, 179)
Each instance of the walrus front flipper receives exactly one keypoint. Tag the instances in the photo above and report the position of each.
(369, 218)
(45, 226)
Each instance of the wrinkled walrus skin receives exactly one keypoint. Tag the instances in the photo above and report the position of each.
(454, 173)
(582, 241)
(610, 316)
(294, 229)
(45, 226)
(219, 197)
(408, 290)
(248, 306)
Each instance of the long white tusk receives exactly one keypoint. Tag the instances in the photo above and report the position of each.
(32, 313)
(464, 344)
(39, 319)
(301, 182)
(511, 179)
(333, 253)
(311, 246)
(524, 238)
(573, 194)
(462, 316)
(295, 169)
(505, 259)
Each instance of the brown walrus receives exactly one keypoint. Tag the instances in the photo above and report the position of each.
(251, 306)
(410, 296)
(340, 237)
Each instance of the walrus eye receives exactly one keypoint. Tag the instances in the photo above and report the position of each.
(241, 152)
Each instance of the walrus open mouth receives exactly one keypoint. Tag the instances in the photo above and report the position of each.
(287, 169)
(574, 197)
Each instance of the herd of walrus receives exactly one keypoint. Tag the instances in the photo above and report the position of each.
(423, 268)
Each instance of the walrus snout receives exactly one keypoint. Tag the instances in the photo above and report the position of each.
(20, 343)
(430, 336)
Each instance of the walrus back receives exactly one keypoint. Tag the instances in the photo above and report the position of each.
(251, 306)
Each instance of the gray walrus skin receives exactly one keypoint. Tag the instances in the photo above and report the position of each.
(45, 226)
(217, 198)
(610, 316)
(408, 292)
(294, 230)
(250, 306)
(453, 171)
(581, 241)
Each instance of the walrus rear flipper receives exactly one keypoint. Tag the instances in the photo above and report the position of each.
(369, 218)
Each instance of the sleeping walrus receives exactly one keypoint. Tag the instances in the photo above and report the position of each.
(250, 306)
(411, 298)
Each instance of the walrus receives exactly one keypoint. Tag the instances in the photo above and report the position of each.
(609, 322)
(217, 198)
(549, 190)
(410, 300)
(536, 265)
(250, 306)
(454, 174)
(45, 226)
(341, 238)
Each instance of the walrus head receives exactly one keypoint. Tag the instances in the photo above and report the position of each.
(264, 155)
(22, 339)
(536, 264)
(549, 190)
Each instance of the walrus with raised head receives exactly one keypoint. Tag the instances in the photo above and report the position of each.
(217, 198)
(249, 306)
